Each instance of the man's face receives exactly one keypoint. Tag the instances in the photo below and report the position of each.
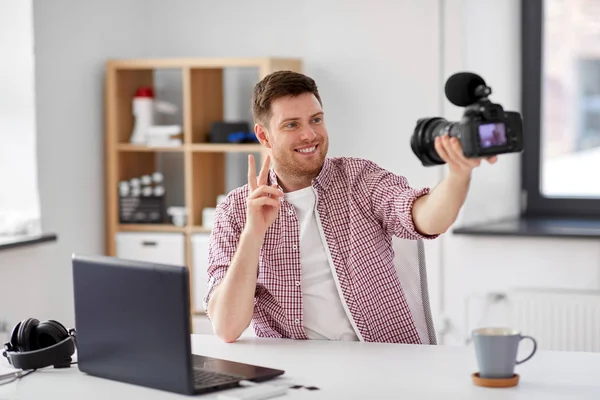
(296, 135)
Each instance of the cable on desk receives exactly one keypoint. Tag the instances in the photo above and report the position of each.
(22, 374)
(18, 375)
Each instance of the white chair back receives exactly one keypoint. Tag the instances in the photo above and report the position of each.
(411, 267)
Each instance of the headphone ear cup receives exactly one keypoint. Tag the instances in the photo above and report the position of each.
(26, 335)
(49, 333)
(64, 332)
(14, 337)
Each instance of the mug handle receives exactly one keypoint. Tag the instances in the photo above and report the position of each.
(532, 352)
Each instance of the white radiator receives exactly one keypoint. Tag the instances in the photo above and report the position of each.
(558, 319)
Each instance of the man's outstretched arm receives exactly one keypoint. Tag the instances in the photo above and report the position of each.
(434, 213)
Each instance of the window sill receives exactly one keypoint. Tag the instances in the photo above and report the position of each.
(543, 227)
(11, 242)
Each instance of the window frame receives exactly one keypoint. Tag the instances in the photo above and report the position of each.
(536, 205)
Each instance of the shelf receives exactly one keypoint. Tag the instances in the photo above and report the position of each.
(200, 229)
(199, 148)
(225, 62)
(127, 147)
(541, 227)
(161, 228)
(194, 172)
(225, 148)
(150, 228)
(11, 242)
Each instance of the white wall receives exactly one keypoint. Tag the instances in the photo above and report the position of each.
(72, 41)
(375, 79)
(484, 37)
(19, 200)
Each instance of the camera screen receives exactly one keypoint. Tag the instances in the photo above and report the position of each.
(491, 135)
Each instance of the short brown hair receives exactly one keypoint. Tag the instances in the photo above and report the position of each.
(279, 84)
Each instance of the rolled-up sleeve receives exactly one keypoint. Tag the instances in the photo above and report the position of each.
(392, 200)
(223, 243)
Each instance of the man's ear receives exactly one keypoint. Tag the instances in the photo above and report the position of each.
(261, 135)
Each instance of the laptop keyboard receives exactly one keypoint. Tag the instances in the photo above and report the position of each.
(206, 379)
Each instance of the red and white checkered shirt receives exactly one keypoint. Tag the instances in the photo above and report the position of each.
(361, 206)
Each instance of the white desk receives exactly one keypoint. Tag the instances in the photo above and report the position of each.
(347, 371)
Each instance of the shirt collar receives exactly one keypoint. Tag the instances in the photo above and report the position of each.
(321, 181)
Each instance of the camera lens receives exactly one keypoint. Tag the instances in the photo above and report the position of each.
(422, 140)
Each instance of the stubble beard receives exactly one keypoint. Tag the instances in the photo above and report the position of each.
(287, 164)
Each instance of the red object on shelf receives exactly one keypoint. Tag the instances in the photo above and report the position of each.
(144, 92)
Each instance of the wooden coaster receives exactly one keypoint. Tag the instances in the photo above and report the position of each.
(495, 383)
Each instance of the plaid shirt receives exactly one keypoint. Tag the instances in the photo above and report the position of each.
(361, 206)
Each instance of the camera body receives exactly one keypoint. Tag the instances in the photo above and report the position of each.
(484, 130)
(487, 130)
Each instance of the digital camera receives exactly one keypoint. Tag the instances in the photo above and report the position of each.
(485, 129)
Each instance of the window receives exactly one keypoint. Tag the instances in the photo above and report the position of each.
(19, 203)
(561, 107)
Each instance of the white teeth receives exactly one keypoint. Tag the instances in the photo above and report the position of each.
(309, 150)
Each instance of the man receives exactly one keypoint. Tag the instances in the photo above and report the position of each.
(304, 250)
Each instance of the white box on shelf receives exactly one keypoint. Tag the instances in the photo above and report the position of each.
(158, 247)
(200, 268)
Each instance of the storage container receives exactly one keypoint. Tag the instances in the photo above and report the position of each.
(158, 247)
(142, 209)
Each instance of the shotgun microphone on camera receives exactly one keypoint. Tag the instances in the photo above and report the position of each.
(465, 88)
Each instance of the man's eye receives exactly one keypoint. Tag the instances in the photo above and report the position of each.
(291, 125)
(317, 120)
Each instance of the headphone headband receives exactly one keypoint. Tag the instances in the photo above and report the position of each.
(58, 355)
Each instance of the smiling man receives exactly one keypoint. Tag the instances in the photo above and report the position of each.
(304, 250)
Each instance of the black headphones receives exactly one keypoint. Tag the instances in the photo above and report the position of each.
(35, 345)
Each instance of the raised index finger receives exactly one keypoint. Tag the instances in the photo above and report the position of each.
(264, 172)
(251, 173)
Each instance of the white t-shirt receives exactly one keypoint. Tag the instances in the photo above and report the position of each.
(326, 315)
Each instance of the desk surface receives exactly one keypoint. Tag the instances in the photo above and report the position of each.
(343, 370)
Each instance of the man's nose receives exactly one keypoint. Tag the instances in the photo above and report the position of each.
(308, 134)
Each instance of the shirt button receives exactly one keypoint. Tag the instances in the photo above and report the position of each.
(297, 283)
(297, 321)
(290, 212)
(294, 247)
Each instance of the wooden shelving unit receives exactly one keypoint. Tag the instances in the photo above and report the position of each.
(150, 228)
(203, 163)
(127, 147)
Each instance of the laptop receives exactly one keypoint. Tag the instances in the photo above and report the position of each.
(132, 322)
